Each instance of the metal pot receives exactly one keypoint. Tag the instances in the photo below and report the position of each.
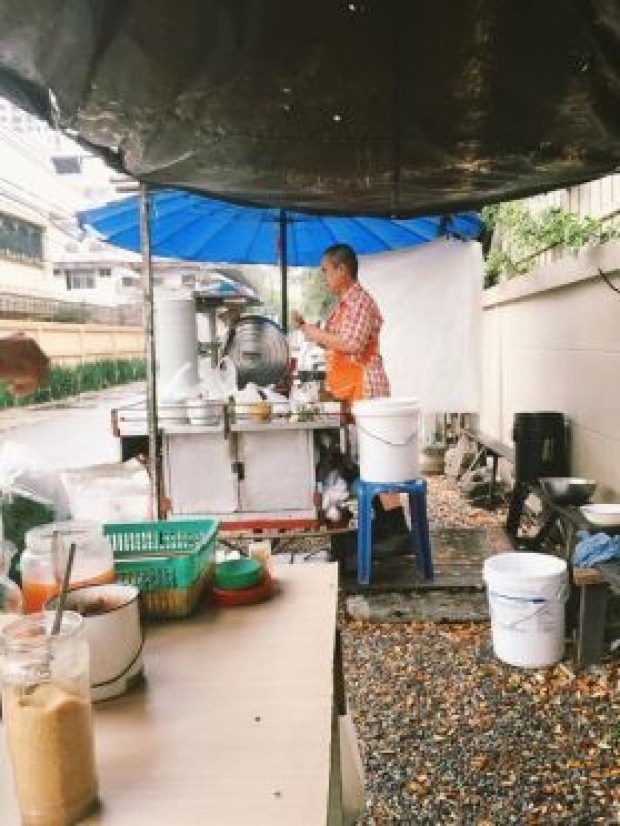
(567, 490)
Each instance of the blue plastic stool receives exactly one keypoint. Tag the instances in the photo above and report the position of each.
(419, 535)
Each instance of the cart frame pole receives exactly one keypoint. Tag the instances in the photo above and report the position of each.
(283, 270)
(148, 316)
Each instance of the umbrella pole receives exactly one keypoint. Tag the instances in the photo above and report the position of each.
(148, 314)
(213, 337)
(283, 271)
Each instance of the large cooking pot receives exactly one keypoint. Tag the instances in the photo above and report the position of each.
(259, 350)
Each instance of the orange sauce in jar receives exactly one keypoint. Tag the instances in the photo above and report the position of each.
(36, 594)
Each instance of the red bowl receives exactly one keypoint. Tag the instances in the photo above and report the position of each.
(245, 596)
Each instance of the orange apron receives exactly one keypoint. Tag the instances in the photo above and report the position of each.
(344, 375)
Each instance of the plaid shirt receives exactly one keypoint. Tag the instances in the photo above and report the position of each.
(357, 320)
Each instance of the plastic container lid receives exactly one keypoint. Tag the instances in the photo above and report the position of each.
(85, 534)
(235, 574)
(385, 406)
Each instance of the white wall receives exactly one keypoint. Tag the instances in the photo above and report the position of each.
(69, 344)
(26, 279)
(551, 341)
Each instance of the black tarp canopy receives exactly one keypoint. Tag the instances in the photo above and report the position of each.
(386, 107)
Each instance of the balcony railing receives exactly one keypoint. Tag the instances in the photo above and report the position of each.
(50, 309)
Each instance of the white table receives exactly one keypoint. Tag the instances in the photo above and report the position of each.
(234, 724)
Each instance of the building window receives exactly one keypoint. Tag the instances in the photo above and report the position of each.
(67, 164)
(80, 280)
(105, 272)
(20, 240)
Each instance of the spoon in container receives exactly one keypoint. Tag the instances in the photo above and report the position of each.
(44, 672)
(62, 596)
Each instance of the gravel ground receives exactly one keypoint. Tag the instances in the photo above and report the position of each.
(450, 735)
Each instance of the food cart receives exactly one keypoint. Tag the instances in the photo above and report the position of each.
(239, 467)
(244, 461)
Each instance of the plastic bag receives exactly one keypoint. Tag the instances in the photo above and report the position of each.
(23, 474)
(249, 395)
(335, 494)
(173, 390)
(219, 383)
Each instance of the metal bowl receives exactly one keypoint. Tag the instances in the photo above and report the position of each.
(567, 490)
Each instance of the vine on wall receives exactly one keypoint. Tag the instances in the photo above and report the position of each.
(518, 235)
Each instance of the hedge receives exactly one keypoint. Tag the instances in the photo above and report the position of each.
(71, 381)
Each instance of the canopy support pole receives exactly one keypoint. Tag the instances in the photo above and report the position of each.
(283, 270)
(148, 316)
(213, 337)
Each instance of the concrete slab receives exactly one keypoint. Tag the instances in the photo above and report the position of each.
(421, 606)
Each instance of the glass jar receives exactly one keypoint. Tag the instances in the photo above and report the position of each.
(11, 600)
(42, 568)
(47, 712)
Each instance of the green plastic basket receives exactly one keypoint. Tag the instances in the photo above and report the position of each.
(168, 561)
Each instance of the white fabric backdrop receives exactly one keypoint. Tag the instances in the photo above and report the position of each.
(431, 300)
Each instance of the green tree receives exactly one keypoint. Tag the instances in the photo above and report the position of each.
(316, 299)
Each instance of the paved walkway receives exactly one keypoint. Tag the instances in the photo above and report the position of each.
(69, 434)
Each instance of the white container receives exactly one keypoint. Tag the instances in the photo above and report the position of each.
(603, 515)
(260, 549)
(527, 594)
(176, 339)
(112, 622)
(388, 431)
(112, 492)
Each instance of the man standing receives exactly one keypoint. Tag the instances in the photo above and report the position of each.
(351, 335)
(354, 365)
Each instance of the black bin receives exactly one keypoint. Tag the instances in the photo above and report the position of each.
(541, 445)
(541, 449)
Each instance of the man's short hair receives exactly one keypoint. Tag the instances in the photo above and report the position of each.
(343, 254)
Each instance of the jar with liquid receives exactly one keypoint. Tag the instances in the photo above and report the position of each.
(48, 719)
(44, 559)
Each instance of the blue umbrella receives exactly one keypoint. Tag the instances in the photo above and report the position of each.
(176, 224)
(195, 228)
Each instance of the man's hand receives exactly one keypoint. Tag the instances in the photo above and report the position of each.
(23, 365)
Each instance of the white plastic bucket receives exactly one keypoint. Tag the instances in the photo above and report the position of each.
(387, 431)
(527, 592)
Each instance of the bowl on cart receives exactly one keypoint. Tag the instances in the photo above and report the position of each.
(567, 490)
(602, 515)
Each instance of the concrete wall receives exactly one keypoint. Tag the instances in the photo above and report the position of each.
(76, 343)
(551, 341)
